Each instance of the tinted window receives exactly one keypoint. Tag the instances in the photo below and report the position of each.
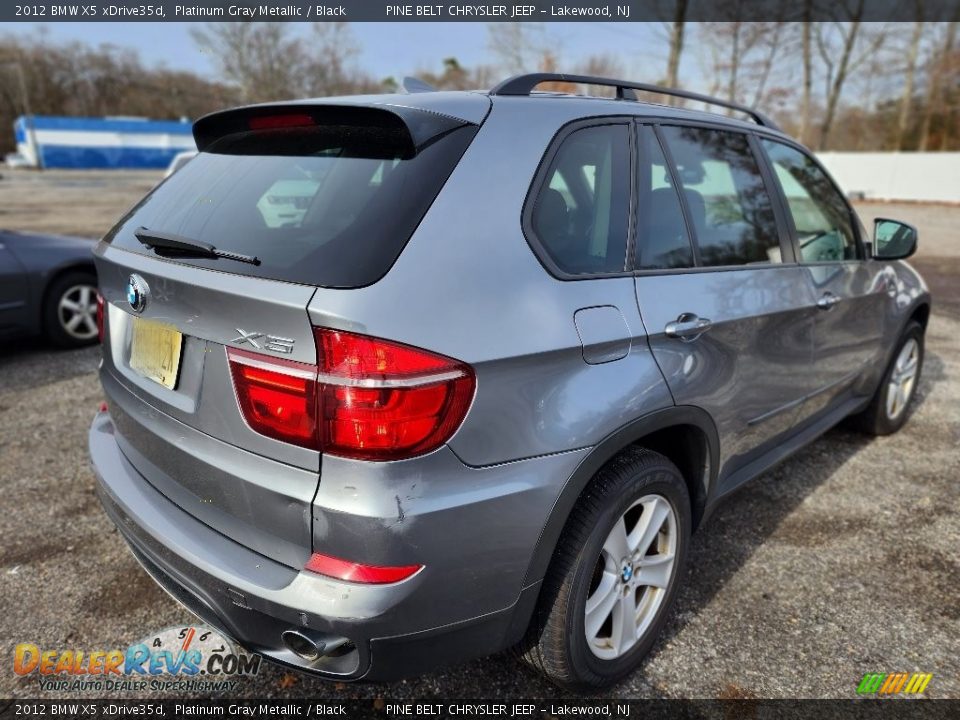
(729, 206)
(580, 213)
(820, 214)
(332, 205)
(662, 240)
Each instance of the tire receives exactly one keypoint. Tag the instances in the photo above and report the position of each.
(556, 643)
(79, 289)
(877, 419)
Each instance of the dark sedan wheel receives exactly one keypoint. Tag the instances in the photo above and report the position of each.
(614, 575)
(70, 311)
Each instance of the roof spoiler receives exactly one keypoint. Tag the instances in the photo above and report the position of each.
(421, 126)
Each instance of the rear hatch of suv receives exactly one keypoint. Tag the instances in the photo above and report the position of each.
(211, 274)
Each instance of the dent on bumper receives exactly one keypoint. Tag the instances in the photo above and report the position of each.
(395, 629)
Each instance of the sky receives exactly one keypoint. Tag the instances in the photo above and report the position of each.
(387, 49)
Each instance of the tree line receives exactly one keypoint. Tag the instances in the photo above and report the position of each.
(846, 84)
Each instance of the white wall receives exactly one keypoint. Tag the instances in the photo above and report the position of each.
(896, 175)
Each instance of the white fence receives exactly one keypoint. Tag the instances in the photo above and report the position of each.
(923, 176)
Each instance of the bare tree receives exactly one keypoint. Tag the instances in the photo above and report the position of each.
(742, 50)
(939, 64)
(333, 68)
(261, 58)
(906, 101)
(734, 67)
(77, 79)
(268, 62)
(837, 71)
(516, 47)
(676, 46)
(334, 50)
(807, 54)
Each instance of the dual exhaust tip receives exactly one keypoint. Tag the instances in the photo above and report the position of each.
(311, 646)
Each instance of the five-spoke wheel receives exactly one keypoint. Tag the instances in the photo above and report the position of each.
(614, 574)
(70, 309)
(631, 576)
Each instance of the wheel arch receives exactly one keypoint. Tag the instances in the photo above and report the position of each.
(920, 313)
(684, 434)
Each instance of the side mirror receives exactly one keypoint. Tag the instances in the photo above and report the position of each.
(893, 240)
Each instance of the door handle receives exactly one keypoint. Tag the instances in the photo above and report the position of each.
(827, 301)
(688, 327)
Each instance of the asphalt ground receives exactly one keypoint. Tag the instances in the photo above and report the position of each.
(843, 560)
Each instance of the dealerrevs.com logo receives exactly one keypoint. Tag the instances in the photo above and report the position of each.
(191, 659)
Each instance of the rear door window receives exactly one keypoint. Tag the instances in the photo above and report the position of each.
(580, 214)
(662, 238)
(730, 208)
(821, 217)
(330, 204)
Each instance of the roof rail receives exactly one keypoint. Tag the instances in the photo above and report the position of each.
(524, 85)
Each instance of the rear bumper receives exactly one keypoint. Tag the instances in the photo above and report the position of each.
(254, 599)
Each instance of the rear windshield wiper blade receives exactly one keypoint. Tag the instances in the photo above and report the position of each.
(186, 247)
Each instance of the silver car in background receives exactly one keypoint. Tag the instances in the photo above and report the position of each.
(400, 380)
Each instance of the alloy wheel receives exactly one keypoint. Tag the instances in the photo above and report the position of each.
(903, 379)
(631, 577)
(77, 312)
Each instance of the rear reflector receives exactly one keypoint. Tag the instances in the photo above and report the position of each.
(355, 572)
(367, 399)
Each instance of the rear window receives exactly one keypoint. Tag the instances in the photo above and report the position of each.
(329, 204)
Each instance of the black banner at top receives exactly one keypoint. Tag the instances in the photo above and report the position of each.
(478, 10)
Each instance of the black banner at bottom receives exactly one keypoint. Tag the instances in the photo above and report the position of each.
(458, 709)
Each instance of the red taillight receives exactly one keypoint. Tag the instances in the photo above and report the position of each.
(272, 122)
(355, 572)
(278, 397)
(100, 311)
(381, 400)
(367, 399)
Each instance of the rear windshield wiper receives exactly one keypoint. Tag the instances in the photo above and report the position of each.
(169, 244)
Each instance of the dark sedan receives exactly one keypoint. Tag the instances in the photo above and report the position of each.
(48, 286)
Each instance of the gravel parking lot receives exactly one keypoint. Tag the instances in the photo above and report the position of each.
(843, 560)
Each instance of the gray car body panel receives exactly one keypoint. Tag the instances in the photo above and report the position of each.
(568, 373)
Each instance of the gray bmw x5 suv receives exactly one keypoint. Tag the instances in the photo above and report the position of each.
(395, 381)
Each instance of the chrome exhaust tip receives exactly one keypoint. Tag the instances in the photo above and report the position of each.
(303, 645)
(309, 645)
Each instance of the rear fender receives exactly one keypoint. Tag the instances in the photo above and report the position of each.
(634, 432)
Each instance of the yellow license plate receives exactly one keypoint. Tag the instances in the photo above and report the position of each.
(155, 351)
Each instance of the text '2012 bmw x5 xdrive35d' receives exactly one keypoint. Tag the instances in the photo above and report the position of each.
(399, 380)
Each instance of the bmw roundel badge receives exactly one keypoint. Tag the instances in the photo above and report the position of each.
(138, 292)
